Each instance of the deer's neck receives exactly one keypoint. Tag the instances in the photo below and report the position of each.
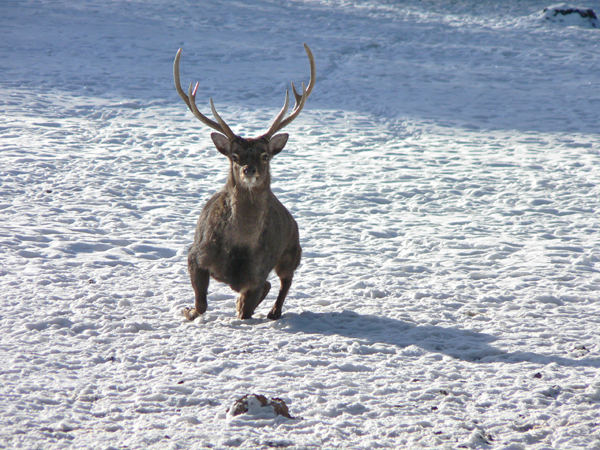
(249, 209)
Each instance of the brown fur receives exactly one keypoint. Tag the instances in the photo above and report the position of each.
(244, 232)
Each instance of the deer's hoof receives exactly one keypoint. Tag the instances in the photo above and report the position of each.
(274, 314)
(191, 313)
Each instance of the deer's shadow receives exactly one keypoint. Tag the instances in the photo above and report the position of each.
(461, 344)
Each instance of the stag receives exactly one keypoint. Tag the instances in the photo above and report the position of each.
(244, 232)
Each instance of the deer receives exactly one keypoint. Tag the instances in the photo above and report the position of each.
(244, 232)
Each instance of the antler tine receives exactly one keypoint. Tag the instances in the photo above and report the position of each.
(279, 122)
(177, 79)
(190, 101)
(296, 95)
(192, 105)
(279, 116)
(224, 127)
(297, 108)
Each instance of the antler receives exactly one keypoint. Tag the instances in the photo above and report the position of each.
(279, 122)
(190, 101)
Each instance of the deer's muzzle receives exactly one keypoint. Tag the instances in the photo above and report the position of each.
(249, 175)
(249, 171)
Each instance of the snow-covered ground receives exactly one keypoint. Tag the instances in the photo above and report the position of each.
(445, 175)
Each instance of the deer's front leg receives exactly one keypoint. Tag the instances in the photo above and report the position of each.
(249, 299)
(200, 279)
(275, 312)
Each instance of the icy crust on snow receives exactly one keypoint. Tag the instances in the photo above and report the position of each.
(445, 181)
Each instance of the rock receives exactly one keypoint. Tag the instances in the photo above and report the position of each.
(571, 15)
(259, 406)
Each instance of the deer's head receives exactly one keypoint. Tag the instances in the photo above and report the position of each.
(249, 157)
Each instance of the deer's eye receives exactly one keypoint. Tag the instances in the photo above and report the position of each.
(265, 157)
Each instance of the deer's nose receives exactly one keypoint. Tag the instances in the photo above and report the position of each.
(249, 170)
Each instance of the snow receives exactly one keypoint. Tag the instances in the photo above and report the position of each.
(444, 176)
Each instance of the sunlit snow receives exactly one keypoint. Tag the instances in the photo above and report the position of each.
(445, 176)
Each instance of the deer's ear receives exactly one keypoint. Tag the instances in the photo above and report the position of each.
(222, 143)
(277, 143)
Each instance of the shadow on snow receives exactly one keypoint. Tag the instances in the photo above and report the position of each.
(470, 346)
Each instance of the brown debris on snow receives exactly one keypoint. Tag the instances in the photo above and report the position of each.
(241, 405)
